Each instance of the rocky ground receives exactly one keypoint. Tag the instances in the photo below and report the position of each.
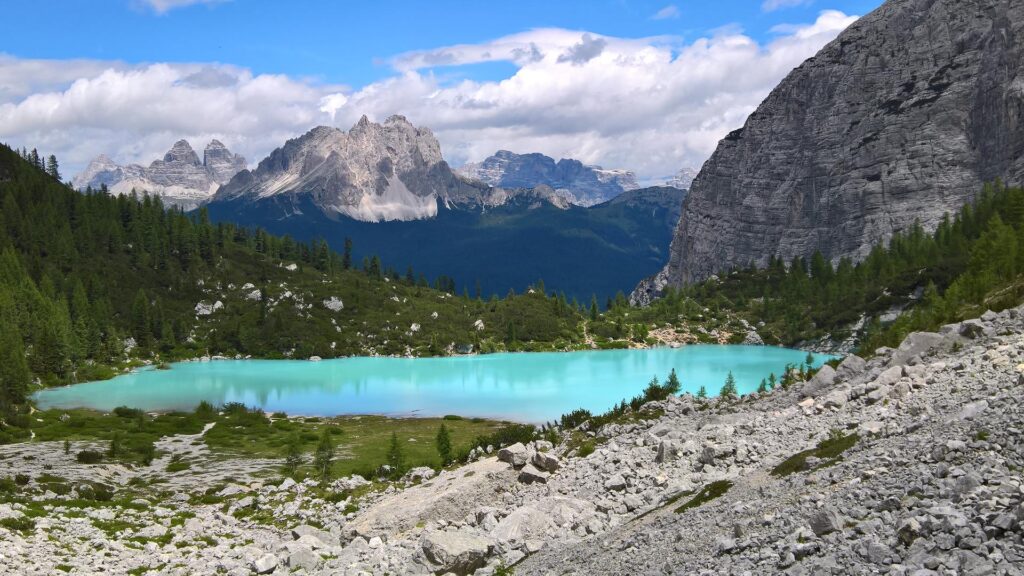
(909, 463)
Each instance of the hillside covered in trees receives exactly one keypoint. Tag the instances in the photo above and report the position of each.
(916, 281)
(91, 282)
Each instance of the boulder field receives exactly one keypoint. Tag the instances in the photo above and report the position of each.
(909, 462)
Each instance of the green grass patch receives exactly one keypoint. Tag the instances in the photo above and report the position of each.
(707, 494)
(24, 524)
(829, 450)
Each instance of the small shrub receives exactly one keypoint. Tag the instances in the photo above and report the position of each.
(707, 494)
(830, 449)
(452, 417)
(22, 479)
(126, 412)
(23, 524)
(89, 457)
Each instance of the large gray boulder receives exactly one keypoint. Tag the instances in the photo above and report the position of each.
(914, 345)
(821, 381)
(515, 454)
(323, 536)
(851, 366)
(460, 552)
(530, 474)
(825, 521)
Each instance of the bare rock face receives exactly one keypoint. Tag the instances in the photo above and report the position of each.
(221, 163)
(373, 172)
(180, 178)
(903, 117)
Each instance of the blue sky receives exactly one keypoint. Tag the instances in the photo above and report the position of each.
(649, 86)
(351, 42)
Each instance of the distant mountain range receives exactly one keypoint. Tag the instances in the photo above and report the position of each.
(387, 187)
(180, 178)
(580, 184)
(582, 229)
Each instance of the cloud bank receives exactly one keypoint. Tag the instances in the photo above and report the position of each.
(652, 104)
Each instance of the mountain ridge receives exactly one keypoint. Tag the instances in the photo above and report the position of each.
(180, 178)
(583, 185)
(901, 119)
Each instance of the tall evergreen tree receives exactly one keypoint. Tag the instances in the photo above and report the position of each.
(444, 445)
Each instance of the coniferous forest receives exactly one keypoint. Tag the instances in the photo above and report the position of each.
(91, 283)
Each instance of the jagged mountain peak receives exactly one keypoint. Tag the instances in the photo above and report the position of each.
(182, 152)
(583, 184)
(374, 172)
(180, 177)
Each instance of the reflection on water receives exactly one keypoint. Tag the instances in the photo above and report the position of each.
(525, 387)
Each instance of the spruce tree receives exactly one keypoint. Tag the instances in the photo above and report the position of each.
(729, 388)
(702, 393)
(444, 445)
(293, 455)
(324, 455)
(141, 329)
(346, 258)
(14, 374)
(395, 458)
(672, 384)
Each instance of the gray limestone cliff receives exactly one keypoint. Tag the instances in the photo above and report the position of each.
(374, 172)
(902, 118)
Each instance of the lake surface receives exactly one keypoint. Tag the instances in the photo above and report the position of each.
(527, 387)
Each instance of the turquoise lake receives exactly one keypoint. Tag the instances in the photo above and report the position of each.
(526, 387)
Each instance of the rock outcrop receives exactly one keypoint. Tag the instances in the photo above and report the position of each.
(373, 173)
(180, 178)
(581, 184)
(902, 118)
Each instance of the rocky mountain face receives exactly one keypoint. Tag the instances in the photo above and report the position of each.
(581, 184)
(372, 173)
(903, 117)
(180, 178)
(907, 463)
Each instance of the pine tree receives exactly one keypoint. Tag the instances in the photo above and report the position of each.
(762, 387)
(141, 328)
(729, 388)
(702, 393)
(293, 455)
(14, 374)
(395, 458)
(672, 384)
(772, 381)
(346, 258)
(324, 455)
(444, 445)
(52, 167)
(593, 308)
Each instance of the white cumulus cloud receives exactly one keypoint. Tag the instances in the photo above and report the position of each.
(648, 104)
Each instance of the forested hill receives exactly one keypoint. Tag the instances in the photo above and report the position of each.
(92, 281)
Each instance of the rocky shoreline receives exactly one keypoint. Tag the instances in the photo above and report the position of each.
(907, 463)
